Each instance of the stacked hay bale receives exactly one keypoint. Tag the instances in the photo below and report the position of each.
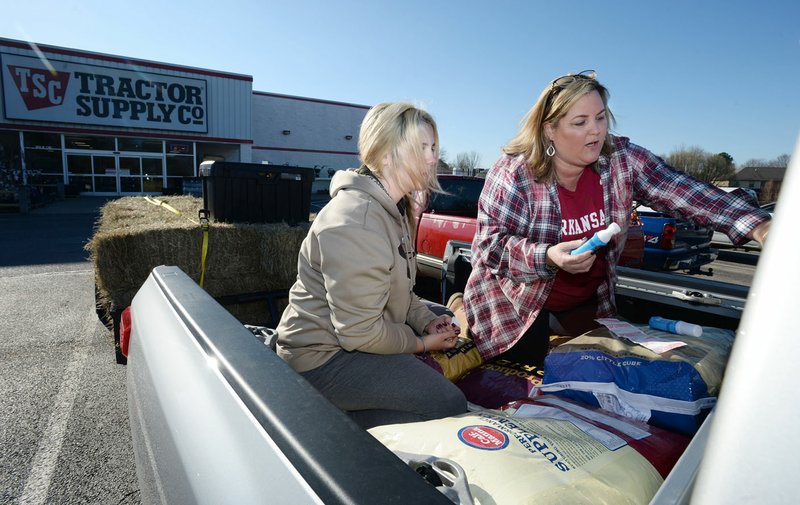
(133, 235)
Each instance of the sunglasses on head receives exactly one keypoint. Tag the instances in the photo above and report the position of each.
(566, 80)
(562, 82)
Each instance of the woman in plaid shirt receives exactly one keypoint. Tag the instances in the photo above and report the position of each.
(561, 179)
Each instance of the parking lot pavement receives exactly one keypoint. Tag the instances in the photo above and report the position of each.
(63, 408)
(77, 205)
(53, 234)
(318, 200)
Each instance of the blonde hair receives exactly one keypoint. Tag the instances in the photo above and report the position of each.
(395, 129)
(553, 104)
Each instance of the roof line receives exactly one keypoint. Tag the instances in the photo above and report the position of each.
(44, 48)
(314, 100)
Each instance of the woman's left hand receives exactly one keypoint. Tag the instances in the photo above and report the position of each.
(441, 333)
(439, 325)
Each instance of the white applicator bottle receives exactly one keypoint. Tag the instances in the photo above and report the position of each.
(599, 239)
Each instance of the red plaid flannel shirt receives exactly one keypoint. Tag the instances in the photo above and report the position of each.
(518, 218)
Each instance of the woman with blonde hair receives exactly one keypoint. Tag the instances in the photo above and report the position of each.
(560, 180)
(353, 321)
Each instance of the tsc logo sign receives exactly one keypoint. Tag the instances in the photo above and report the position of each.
(56, 91)
(38, 87)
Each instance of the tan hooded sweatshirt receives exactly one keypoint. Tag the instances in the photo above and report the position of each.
(354, 288)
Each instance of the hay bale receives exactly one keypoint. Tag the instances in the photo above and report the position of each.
(134, 236)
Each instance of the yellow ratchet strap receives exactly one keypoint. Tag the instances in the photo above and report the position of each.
(159, 203)
(203, 215)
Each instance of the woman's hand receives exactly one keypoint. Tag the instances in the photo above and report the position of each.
(440, 334)
(559, 255)
(759, 234)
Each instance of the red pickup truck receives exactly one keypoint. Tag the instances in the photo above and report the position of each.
(453, 216)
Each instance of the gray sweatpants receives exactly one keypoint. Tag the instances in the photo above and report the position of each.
(377, 389)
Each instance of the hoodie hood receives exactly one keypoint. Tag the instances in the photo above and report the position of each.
(347, 180)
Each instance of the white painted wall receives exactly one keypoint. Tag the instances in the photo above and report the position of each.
(318, 131)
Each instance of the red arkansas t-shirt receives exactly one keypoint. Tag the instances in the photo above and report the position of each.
(582, 214)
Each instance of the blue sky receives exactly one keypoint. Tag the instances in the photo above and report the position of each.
(720, 75)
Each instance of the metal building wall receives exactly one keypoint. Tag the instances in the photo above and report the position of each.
(307, 132)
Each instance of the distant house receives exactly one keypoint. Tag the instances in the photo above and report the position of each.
(766, 181)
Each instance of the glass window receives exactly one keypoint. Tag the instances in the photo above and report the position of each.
(105, 165)
(43, 154)
(182, 166)
(460, 197)
(180, 148)
(130, 184)
(152, 167)
(174, 186)
(139, 145)
(89, 142)
(9, 149)
(79, 164)
(42, 140)
(129, 166)
(45, 161)
(10, 166)
(152, 184)
(105, 184)
(82, 183)
(45, 179)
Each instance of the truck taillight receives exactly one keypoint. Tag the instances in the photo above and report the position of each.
(668, 236)
(125, 331)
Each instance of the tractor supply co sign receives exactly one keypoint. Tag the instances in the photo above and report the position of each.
(86, 94)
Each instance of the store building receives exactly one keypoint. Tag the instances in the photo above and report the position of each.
(110, 125)
(297, 131)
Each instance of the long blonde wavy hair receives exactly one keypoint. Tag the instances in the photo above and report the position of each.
(395, 129)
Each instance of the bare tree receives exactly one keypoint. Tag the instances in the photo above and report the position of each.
(686, 159)
(754, 162)
(443, 167)
(780, 161)
(467, 162)
(701, 164)
(769, 192)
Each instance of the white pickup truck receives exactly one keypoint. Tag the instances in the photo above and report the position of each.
(217, 417)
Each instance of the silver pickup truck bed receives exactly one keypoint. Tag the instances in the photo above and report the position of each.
(217, 417)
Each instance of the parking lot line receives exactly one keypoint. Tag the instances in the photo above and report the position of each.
(44, 462)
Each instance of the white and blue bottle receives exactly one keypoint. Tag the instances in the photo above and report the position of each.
(676, 327)
(598, 240)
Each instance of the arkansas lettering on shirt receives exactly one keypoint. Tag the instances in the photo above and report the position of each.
(582, 215)
(585, 226)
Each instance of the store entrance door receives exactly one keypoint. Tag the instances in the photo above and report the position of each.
(116, 174)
